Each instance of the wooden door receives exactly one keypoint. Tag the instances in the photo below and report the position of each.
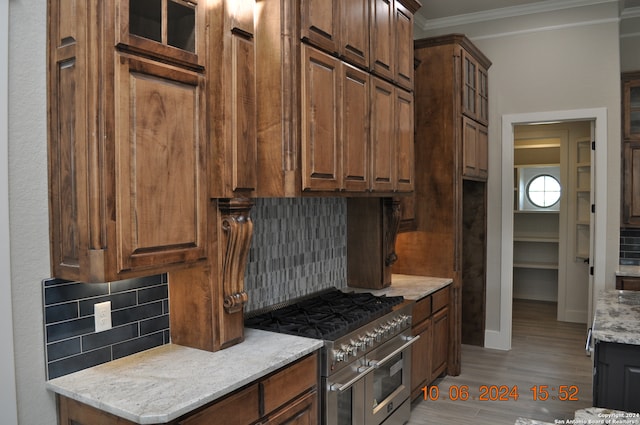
(383, 38)
(631, 106)
(321, 148)
(405, 164)
(355, 129)
(631, 192)
(404, 46)
(383, 149)
(475, 150)
(160, 168)
(469, 85)
(355, 32)
(483, 96)
(440, 342)
(303, 411)
(321, 23)
(421, 357)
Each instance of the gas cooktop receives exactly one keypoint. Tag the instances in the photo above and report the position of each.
(327, 315)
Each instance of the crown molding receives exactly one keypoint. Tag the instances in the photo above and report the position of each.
(426, 24)
(631, 12)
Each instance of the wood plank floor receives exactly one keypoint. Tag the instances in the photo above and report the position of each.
(544, 352)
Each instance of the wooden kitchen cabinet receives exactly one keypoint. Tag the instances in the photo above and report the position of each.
(628, 283)
(631, 105)
(616, 379)
(287, 396)
(317, 82)
(127, 138)
(475, 160)
(430, 320)
(449, 206)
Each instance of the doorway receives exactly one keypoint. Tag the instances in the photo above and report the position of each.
(552, 215)
(501, 338)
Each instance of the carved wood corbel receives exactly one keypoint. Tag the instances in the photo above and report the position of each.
(392, 216)
(237, 230)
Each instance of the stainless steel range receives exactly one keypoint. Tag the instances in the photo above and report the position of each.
(366, 358)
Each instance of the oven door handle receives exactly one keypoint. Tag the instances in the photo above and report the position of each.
(344, 387)
(376, 364)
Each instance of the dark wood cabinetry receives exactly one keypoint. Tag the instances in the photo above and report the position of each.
(631, 149)
(628, 283)
(288, 396)
(448, 236)
(430, 353)
(348, 53)
(127, 133)
(616, 380)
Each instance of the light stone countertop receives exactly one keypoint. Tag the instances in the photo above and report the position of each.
(408, 286)
(617, 317)
(630, 271)
(591, 416)
(164, 383)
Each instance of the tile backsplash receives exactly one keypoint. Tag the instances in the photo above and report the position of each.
(299, 246)
(139, 315)
(630, 247)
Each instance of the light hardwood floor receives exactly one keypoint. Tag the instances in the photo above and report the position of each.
(544, 352)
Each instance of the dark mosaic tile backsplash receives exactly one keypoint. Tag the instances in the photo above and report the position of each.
(139, 318)
(630, 247)
(299, 246)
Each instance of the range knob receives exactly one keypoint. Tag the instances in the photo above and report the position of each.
(340, 356)
(367, 340)
(355, 346)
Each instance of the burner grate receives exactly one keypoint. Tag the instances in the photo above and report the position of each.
(328, 315)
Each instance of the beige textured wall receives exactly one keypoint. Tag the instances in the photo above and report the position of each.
(553, 61)
(28, 210)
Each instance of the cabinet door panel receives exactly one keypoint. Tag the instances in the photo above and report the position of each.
(320, 23)
(631, 201)
(238, 409)
(421, 357)
(355, 31)
(404, 46)
(404, 138)
(475, 150)
(469, 85)
(382, 38)
(482, 152)
(355, 128)
(302, 412)
(320, 121)
(440, 351)
(631, 106)
(383, 152)
(160, 169)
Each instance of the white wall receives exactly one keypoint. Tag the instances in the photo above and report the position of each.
(28, 209)
(630, 42)
(8, 405)
(550, 61)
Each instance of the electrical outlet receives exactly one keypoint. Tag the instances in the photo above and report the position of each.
(102, 313)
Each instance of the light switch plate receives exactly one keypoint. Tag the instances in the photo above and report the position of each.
(102, 313)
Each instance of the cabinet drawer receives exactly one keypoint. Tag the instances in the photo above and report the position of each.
(421, 310)
(241, 408)
(440, 299)
(289, 383)
(628, 283)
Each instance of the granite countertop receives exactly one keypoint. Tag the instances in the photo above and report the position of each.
(410, 287)
(164, 383)
(617, 317)
(592, 416)
(631, 271)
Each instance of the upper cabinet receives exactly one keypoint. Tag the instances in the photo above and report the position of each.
(127, 137)
(152, 112)
(337, 120)
(631, 105)
(631, 149)
(475, 89)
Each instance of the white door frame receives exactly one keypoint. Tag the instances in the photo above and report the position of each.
(8, 400)
(502, 338)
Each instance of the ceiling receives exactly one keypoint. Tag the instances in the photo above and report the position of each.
(434, 10)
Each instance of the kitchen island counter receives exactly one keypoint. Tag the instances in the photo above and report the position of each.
(617, 317)
(409, 286)
(164, 383)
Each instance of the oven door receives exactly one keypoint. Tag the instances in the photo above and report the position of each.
(388, 386)
(343, 403)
